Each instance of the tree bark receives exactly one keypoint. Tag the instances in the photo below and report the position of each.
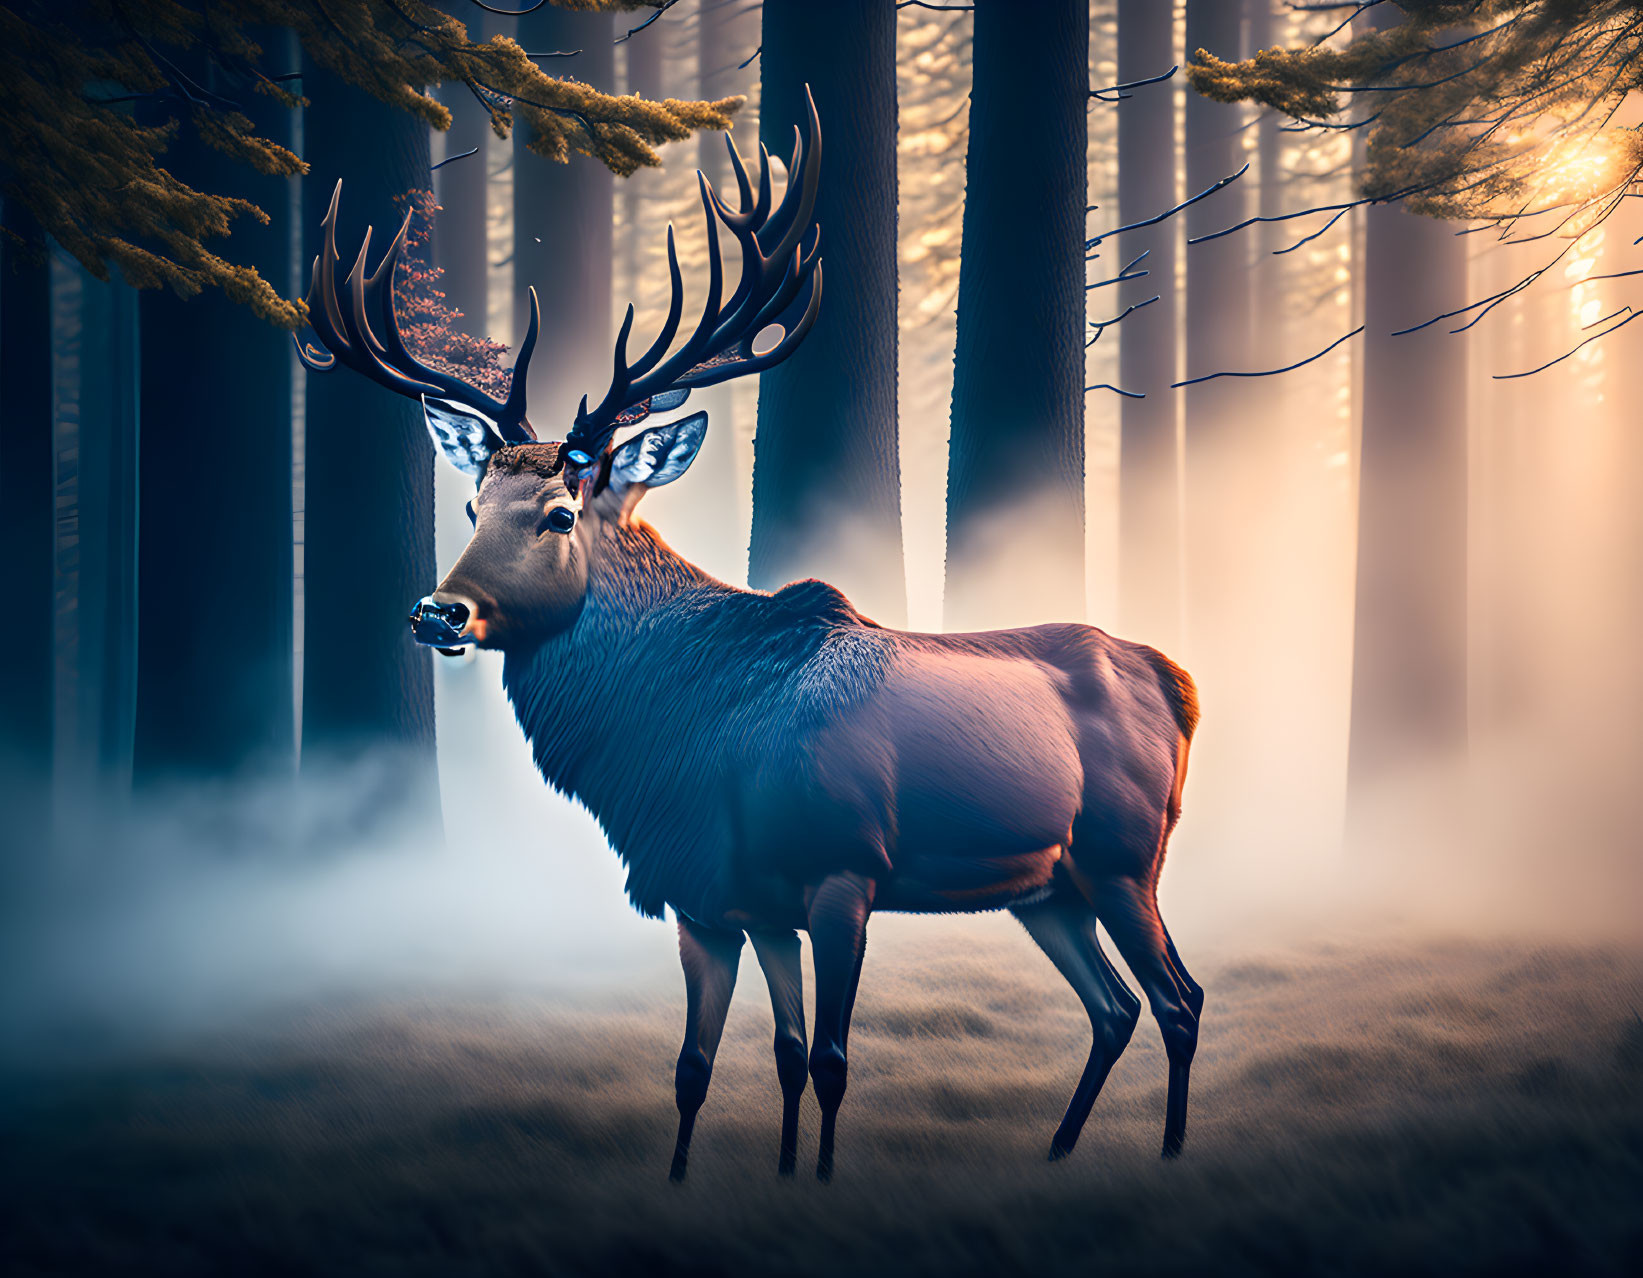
(717, 536)
(94, 343)
(826, 473)
(1015, 479)
(1223, 471)
(1409, 703)
(460, 228)
(214, 639)
(1149, 567)
(27, 518)
(368, 517)
(563, 237)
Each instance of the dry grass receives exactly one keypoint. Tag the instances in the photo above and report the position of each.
(1453, 1108)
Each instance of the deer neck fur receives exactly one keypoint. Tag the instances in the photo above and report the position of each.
(589, 700)
(670, 692)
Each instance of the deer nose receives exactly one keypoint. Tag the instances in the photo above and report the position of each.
(439, 623)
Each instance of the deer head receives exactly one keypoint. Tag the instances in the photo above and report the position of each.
(540, 506)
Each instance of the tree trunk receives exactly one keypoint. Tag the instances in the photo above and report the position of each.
(1409, 671)
(712, 533)
(27, 520)
(368, 517)
(826, 473)
(96, 431)
(563, 240)
(459, 237)
(1224, 454)
(214, 650)
(1015, 479)
(644, 77)
(1149, 568)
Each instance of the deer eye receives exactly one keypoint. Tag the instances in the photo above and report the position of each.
(560, 519)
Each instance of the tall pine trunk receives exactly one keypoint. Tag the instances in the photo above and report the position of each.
(459, 233)
(1149, 568)
(717, 536)
(1409, 669)
(96, 429)
(1015, 479)
(1409, 654)
(826, 473)
(643, 77)
(368, 516)
(1223, 474)
(563, 236)
(27, 519)
(214, 641)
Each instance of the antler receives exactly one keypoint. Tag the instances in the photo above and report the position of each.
(349, 338)
(772, 286)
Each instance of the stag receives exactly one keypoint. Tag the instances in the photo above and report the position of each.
(766, 764)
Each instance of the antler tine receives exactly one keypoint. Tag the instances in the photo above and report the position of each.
(793, 214)
(676, 309)
(621, 377)
(592, 431)
(359, 323)
(713, 374)
(761, 210)
(350, 337)
(391, 350)
(326, 277)
(761, 272)
(511, 422)
(771, 286)
(691, 351)
(744, 188)
(792, 281)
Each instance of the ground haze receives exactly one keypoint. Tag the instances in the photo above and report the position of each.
(1360, 1105)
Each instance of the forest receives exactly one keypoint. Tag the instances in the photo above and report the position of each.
(1283, 337)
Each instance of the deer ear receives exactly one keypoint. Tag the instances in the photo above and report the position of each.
(659, 455)
(465, 438)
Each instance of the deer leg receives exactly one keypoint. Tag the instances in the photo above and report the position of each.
(838, 938)
(1065, 930)
(779, 957)
(709, 958)
(1194, 992)
(1130, 911)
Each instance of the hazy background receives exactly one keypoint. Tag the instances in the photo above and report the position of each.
(363, 1045)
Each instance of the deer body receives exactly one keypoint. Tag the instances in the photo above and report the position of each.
(747, 745)
(773, 763)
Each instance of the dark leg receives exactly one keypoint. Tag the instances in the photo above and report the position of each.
(709, 958)
(1194, 991)
(1064, 928)
(779, 956)
(1130, 912)
(838, 939)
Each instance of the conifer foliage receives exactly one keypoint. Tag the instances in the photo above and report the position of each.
(74, 156)
(1490, 109)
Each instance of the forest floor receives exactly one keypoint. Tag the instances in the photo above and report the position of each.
(1362, 1106)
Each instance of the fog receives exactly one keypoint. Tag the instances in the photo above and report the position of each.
(184, 906)
(264, 1025)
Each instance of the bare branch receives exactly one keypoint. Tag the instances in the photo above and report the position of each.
(1118, 89)
(1123, 273)
(1101, 326)
(1169, 213)
(1506, 377)
(1270, 372)
(449, 158)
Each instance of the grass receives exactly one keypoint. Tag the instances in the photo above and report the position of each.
(1404, 1107)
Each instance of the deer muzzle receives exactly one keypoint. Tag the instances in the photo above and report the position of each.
(440, 623)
